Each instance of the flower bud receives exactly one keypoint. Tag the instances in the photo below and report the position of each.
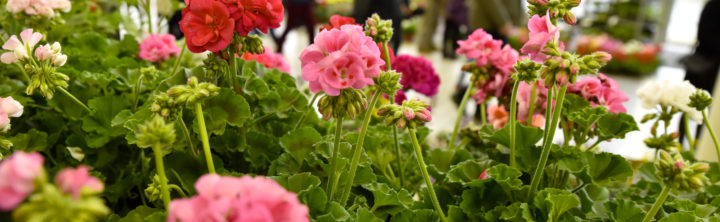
(700, 100)
(411, 113)
(527, 70)
(700, 167)
(59, 59)
(380, 30)
(570, 18)
(155, 132)
(602, 56)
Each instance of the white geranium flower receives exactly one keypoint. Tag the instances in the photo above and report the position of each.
(669, 93)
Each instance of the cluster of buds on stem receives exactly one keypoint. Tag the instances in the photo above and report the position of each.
(679, 173)
(411, 114)
(700, 100)
(214, 68)
(193, 92)
(555, 8)
(350, 102)
(527, 70)
(388, 83)
(155, 133)
(166, 106)
(380, 30)
(250, 44)
(565, 67)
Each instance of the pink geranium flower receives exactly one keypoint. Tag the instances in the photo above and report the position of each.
(270, 59)
(38, 7)
(523, 98)
(417, 73)
(340, 59)
(601, 90)
(17, 177)
(225, 198)
(541, 32)
(494, 86)
(497, 115)
(77, 181)
(505, 59)
(19, 49)
(158, 47)
(479, 46)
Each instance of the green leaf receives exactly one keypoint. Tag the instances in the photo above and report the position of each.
(647, 172)
(615, 126)
(256, 86)
(227, 107)
(606, 167)
(526, 136)
(33, 140)
(300, 142)
(467, 171)
(680, 217)
(315, 198)
(298, 182)
(424, 215)
(443, 159)
(587, 116)
(684, 205)
(99, 123)
(140, 213)
(624, 210)
(335, 212)
(553, 203)
(363, 214)
(386, 200)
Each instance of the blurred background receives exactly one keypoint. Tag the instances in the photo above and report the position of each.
(648, 39)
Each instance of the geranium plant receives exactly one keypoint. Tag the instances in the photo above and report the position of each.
(233, 137)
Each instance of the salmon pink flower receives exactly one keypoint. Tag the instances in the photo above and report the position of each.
(17, 177)
(339, 59)
(158, 47)
(479, 46)
(336, 21)
(78, 181)
(270, 59)
(207, 25)
(541, 32)
(497, 116)
(255, 14)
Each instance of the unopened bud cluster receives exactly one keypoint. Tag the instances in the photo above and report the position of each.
(556, 9)
(152, 192)
(155, 133)
(679, 173)
(388, 82)
(700, 100)
(527, 70)
(567, 66)
(380, 30)
(251, 44)
(166, 106)
(214, 67)
(412, 113)
(349, 103)
(193, 92)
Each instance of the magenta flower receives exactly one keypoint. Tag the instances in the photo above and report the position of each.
(77, 181)
(17, 177)
(601, 90)
(541, 32)
(158, 47)
(225, 198)
(505, 59)
(400, 97)
(479, 46)
(417, 73)
(339, 59)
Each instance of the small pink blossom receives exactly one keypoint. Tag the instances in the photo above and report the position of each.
(38, 7)
(43, 52)
(17, 177)
(601, 90)
(19, 49)
(158, 47)
(339, 59)
(11, 106)
(497, 116)
(417, 74)
(523, 98)
(538, 120)
(479, 46)
(541, 32)
(505, 59)
(77, 181)
(483, 175)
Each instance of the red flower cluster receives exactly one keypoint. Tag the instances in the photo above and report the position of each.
(338, 20)
(209, 24)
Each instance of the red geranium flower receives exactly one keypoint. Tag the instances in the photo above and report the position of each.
(336, 21)
(207, 25)
(252, 14)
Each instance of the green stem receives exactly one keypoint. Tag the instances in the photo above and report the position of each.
(399, 157)
(164, 191)
(136, 92)
(22, 70)
(712, 134)
(64, 91)
(204, 137)
(147, 11)
(387, 56)
(483, 113)
(302, 118)
(357, 150)
(233, 73)
(461, 111)
(513, 116)
(426, 177)
(592, 147)
(177, 61)
(548, 111)
(547, 144)
(531, 108)
(186, 132)
(691, 144)
(658, 203)
(178, 190)
(332, 183)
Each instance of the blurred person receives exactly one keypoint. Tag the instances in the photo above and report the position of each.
(455, 22)
(702, 66)
(497, 17)
(429, 24)
(299, 13)
(394, 10)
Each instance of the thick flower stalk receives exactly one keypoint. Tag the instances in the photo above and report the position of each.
(678, 174)
(227, 198)
(193, 94)
(9, 107)
(158, 135)
(412, 114)
(701, 100)
(526, 71)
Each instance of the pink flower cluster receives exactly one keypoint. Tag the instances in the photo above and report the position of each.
(9, 107)
(488, 53)
(77, 181)
(417, 74)
(158, 47)
(44, 8)
(479, 46)
(270, 59)
(245, 199)
(523, 99)
(339, 59)
(541, 32)
(22, 50)
(17, 178)
(601, 90)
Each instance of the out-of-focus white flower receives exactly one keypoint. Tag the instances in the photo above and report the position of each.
(669, 93)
